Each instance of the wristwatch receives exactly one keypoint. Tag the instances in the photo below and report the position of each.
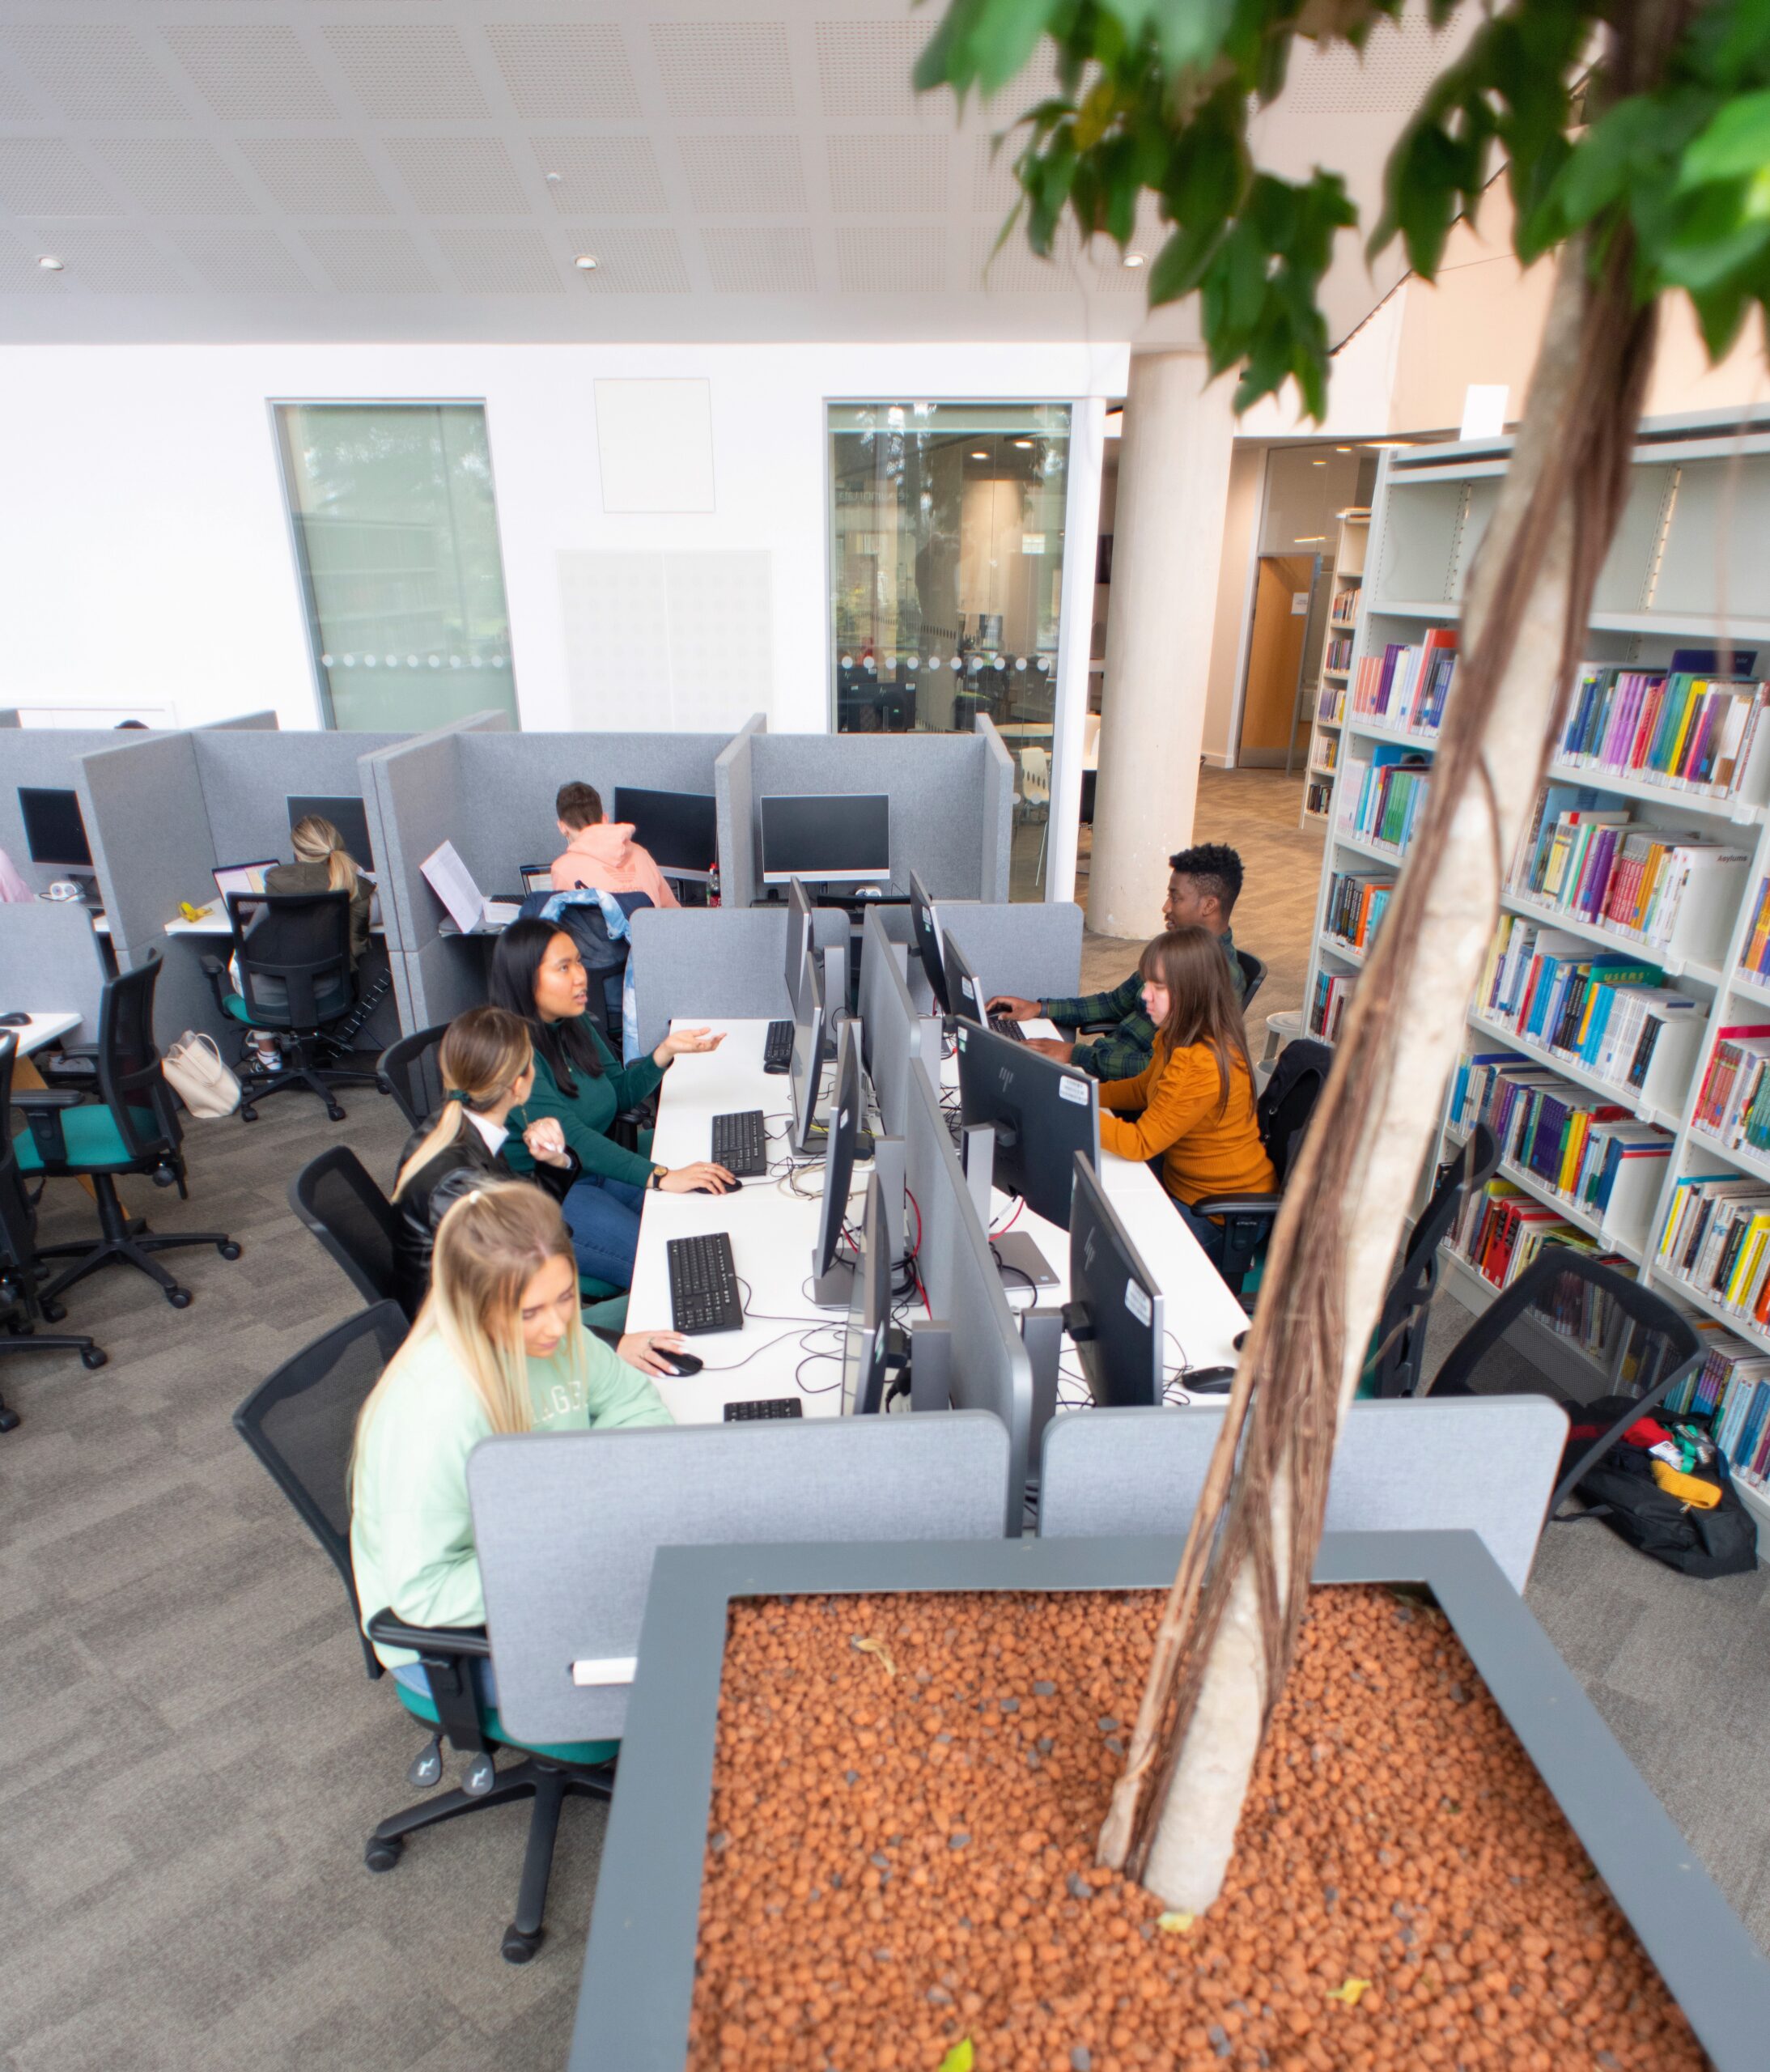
(656, 1180)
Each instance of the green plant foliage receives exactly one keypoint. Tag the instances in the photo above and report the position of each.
(1155, 96)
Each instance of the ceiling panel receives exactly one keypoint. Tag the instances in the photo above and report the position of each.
(891, 261)
(251, 72)
(107, 261)
(245, 259)
(369, 259)
(502, 262)
(42, 176)
(565, 68)
(95, 72)
(175, 175)
(744, 175)
(889, 175)
(635, 262)
(761, 261)
(602, 176)
(406, 71)
(724, 68)
(315, 176)
(458, 175)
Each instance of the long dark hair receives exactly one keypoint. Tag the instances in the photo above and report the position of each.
(568, 1047)
(1202, 1005)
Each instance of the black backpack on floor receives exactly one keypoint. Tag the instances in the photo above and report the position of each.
(1620, 1489)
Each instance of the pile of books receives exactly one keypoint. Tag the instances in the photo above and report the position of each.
(1756, 957)
(1327, 1010)
(1406, 685)
(1733, 1104)
(1688, 733)
(1339, 653)
(1717, 1239)
(1732, 1390)
(1330, 704)
(1327, 752)
(1386, 796)
(1670, 888)
(1319, 796)
(1598, 1009)
(1355, 903)
(1502, 1230)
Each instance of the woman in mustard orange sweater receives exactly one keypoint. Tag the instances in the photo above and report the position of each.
(1196, 1094)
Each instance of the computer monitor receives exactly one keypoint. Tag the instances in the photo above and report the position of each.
(966, 996)
(806, 1069)
(869, 1313)
(926, 923)
(349, 816)
(54, 828)
(1113, 1313)
(798, 938)
(1041, 1113)
(829, 1284)
(676, 827)
(843, 838)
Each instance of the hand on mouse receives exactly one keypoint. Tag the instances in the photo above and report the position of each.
(649, 1350)
(703, 1177)
(1015, 1008)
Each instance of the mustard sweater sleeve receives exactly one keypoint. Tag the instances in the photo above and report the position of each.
(1185, 1094)
(1128, 1093)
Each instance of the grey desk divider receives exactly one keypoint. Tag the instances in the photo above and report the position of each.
(1485, 1464)
(972, 1331)
(1031, 947)
(252, 722)
(895, 1039)
(565, 1526)
(50, 962)
(248, 777)
(49, 758)
(999, 776)
(716, 961)
(734, 804)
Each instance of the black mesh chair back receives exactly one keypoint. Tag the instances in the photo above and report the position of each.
(1252, 976)
(301, 1424)
(409, 1071)
(1578, 1331)
(341, 1204)
(292, 955)
(17, 1286)
(1286, 1107)
(129, 1078)
(1401, 1329)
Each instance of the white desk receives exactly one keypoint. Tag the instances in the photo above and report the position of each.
(772, 1233)
(41, 1029)
(213, 922)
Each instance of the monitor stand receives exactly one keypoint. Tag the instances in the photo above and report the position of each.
(1017, 1257)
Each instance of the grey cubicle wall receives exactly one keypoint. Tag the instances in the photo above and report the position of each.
(952, 819)
(565, 1527)
(1406, 1466)
(1031, 947)
(734, 804)
(50, 962)
(716, 961)
(989, 1368)
(895, 1039)
(248, 777)
(249, 722)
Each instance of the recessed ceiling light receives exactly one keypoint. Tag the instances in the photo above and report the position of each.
(1318, 463)
(980, 456)
(1308, 540)
(1135, 259)
(49, 263)
(585, 262)
(1343, 449)
(1025, 444)
(555, 178)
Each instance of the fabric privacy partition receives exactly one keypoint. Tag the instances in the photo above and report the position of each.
(1031, 949)
(716, 961)
(1485, 1465)
(48, 758)
(895, 1040)
(566, 1527)
(734, 798)
(249, 722)
(248, 777)
(50, 961)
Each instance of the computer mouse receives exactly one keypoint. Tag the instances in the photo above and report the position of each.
(1239, 1340)
(1207, 1381)
(682, 1364)
(14, 1021)
(731, 1190)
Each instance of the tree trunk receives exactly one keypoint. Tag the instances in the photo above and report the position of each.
(1232, 1617)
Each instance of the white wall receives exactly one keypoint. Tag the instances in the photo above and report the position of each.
(144, 551)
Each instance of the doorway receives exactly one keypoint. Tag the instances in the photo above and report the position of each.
(1273, 730)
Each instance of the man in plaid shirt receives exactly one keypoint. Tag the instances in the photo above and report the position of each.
(1204, 884)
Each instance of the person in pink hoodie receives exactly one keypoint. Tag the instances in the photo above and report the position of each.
(601, 854)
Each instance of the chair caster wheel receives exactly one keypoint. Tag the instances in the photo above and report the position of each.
(8, 1419)
(248, 1114)
(178, 1298)
(94, 1359)
(335, 1112)
(382, 1855)
(518, 1948)
(229, 1251)
(54, 1313)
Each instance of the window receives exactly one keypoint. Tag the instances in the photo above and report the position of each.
(947, 570)
(396, 533)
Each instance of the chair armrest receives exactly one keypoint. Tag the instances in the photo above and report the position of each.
(391, 1632)
(445, 1652)
(1239, 1205)
(42, 1111)
(214, 970)
(74, 1064)
(1093, 1028)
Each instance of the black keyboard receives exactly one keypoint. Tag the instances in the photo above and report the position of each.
(767, 1406)
(1003, 1027)
(703, 1285)
(778, 1047)
(740, 1143)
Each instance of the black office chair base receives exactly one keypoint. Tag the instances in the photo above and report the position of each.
(92, 1355)
(315, 1078)
(8, 1419)
(551, 1783)
(123, 1244)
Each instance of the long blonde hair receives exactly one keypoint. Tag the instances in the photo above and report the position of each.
(482, 1055)
(1202, 1005)
(317, 841)
(489, 1246)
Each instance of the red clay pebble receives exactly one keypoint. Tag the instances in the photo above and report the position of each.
(1395, 1833)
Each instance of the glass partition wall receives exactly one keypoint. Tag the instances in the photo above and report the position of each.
(946, 575)
(396, 537)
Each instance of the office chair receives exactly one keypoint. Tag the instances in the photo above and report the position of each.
(339, 1201)
(409, 1072)
(1399, 1344)
(292, 952)
(301, 1423)
(1644, 1343)
(1252, 976)
(21, 1310)
(1283, 1114)
(133, 1127)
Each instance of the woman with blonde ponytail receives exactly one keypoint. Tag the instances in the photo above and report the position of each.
(498, 1347)
(323, 864)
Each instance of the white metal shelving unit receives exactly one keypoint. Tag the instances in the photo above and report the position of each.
(1325, 734)
(1685, 569)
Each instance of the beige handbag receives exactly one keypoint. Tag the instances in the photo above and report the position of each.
(193, 1066)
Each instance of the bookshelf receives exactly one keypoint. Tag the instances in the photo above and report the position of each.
(1325, 726)
(1685, 571)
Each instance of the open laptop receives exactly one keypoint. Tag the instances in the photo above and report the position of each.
(242, 877)
(469, 908)
(536, 877)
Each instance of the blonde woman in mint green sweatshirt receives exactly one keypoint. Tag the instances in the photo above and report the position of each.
(498, 1347)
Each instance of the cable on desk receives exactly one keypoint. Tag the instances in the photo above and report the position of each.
(1019, 1203)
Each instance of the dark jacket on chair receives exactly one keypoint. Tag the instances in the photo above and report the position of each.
(437, 1185)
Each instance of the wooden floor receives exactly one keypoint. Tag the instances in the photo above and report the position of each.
(191, 1756)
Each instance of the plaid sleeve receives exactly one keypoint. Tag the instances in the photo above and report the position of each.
(1124, 1000)
(1122, 1053)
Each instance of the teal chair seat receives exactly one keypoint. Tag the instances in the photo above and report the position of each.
(590, 1753)
(236, 1008)
(92, 1137)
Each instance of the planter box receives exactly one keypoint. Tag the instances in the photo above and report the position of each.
(639, 1978)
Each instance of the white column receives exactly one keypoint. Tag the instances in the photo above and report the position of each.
(1174, 476)
(1081, 529)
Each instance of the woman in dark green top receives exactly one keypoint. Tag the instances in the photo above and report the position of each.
(537, 973)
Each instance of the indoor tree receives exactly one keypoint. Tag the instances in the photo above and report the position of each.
(1634, 139)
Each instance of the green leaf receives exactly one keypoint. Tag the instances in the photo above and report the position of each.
(961, 2057)
(1735, 144)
